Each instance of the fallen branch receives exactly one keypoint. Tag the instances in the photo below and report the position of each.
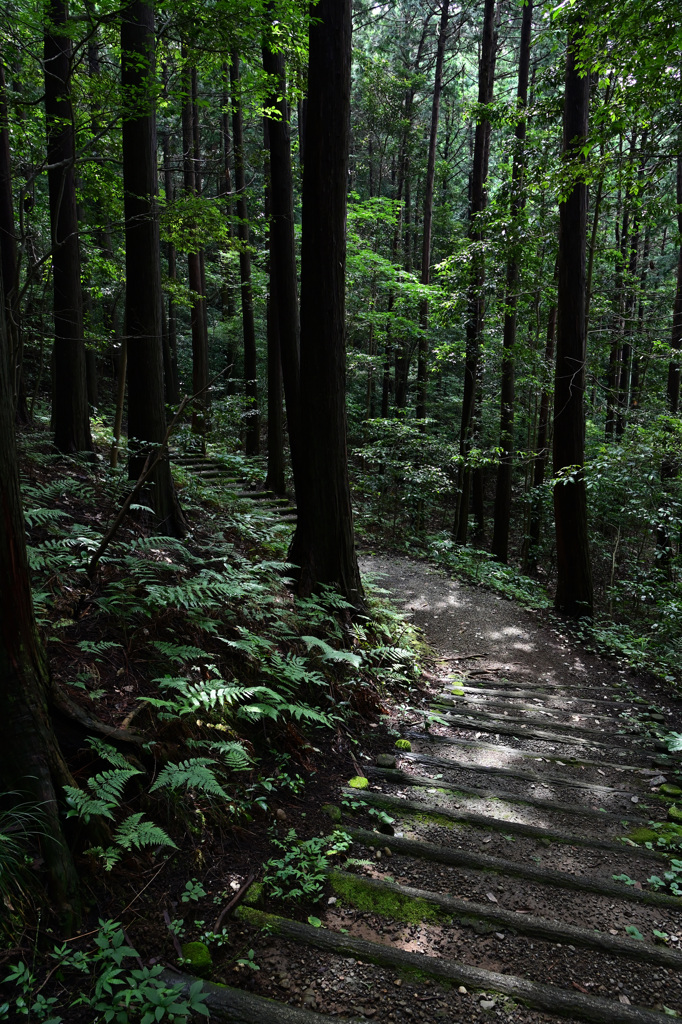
(69, 708)
(237, 898)
(464, 657)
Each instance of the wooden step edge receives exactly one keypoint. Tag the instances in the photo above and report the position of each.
(484, 821)
(525, 924)
(548, 998)
(506, 728)
(514, 773)
(513, 869)
(400, 778)
(565, 759)
(466, 700)
(514, 692)
(496, 710)
(238, 1007)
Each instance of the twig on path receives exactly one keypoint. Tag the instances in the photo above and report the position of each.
(237, 898)
(464, 657)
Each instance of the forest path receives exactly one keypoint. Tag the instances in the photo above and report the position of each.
(482, 880)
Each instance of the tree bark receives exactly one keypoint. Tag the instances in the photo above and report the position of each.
(283, 271)
(574, 571)
(70, 401)
(503, 489)
(252, 416)
(198, 314)
(323, 547)
(274, 479)
(146, 411)
(9, 261)
(31, 763)
(428, 213)
(476, 298)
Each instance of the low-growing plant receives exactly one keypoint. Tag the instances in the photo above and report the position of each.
(300, 871)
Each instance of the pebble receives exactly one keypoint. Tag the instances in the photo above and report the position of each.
(462, 991)
(488, 1004)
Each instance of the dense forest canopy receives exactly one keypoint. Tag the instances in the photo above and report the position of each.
(427, 279)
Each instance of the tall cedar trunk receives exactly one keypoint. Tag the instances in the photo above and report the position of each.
(8, 259)
(198, 314)
(274, 479)
(171, 373)
(31, 763)
(146, 411)
(323, 547)
(70, 400)
(574, 571)
(250, 368)
(476, 298)
(283, 273)
(226, 290)
(503, 490)
(428, 213)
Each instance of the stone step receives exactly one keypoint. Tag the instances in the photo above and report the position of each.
(234, 1006)
(522, 728)
(409, 808)
(439, 854)
(515, 752)
(548, 998)
(400, 778)
(343, 883)
(516, 773)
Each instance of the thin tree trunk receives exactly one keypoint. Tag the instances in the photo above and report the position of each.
(541, 445)
(323, 547)
(503, 490)
(252, 417)
(574, 571)
(198, 315)
(428, 212)
(274, 479)
(171, 379)
(146, 411)
(9, 261)
(70, 400)
(476, 298)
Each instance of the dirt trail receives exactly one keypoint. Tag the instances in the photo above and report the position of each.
(482, 881)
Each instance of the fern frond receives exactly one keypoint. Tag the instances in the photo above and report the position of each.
(331, 653)
(81, 805)
(194, 773)
(136, 830)
(182, 653)
(108, 753)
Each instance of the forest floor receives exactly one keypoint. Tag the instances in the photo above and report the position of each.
(490, 883)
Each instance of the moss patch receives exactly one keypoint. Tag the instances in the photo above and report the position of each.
(668, 789)
(403, 745)
(332, 811)
(435, 819)
(675, 814)
(358, 782)
(643, 835)
(198, 958)
(254, 894)
(369, 899)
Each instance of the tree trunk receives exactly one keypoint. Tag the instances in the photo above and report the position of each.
(476, 298)
(673, 384)
(10, 266)
(31, 764)
(503, 490)
(574, 571)
(70, 402)
(428, 213)
(146, 411)
(252, 417)
(323, 547)
(541, 445)
(171, 379)
(283, 271)
(274, 479)
(198, 315)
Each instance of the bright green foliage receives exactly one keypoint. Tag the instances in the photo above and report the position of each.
(403, 745)
(299, 873)
(358, 782)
